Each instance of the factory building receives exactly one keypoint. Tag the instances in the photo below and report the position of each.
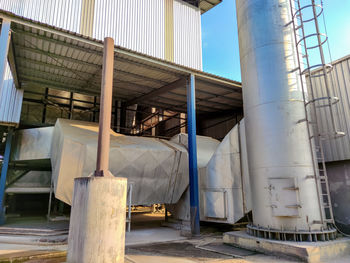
(178, 134)
(53, 71)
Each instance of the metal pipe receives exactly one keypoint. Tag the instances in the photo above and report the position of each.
(129, 206)
(192, 156)
(50, 200)
(324, 69)
(105, 108)
(4, 170)
(280, 160)
(94, 112)
(71, 106)
(43, 119)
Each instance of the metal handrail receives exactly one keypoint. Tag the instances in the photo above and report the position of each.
(299, 11)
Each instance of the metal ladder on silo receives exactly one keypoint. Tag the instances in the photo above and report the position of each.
(305, 72)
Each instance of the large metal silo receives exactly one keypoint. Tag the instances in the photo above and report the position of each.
(285, 198)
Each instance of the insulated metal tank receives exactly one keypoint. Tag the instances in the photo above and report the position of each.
(286, 204)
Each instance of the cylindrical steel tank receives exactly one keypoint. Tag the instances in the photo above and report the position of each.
(284, 191)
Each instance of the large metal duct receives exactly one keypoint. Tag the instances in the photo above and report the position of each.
(284, 190)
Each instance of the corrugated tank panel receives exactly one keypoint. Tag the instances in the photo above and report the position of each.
(134, 24)
(187, 35)
(60, 13)
(336, 149)
(10, 100)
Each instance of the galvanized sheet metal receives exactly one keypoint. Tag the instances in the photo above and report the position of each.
(60, 13)
(134, 24)
(277, 145)
(336, 149)
(10, 100)
(138, 25)
(187, 35)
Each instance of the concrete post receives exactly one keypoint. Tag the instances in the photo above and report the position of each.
(97, 223)
(97, 228)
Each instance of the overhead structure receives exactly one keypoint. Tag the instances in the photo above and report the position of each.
(285, 198)
(42, 61)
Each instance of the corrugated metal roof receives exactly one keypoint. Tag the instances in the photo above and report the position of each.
(51, 57)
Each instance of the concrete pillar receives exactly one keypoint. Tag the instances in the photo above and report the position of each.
(97, 227)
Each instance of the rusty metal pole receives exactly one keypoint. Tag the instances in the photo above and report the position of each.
(105, 108)
(97, 221)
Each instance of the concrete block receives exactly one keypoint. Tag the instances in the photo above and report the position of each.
(310, 252)
(97, 226)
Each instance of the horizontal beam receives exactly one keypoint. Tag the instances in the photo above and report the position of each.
(32, 72)
(56, 56)
(166, 88)
(56, 85)
(151, 94)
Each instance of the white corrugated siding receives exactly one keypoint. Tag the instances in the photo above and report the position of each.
(187, 35)
(336, 149)
(135, 24)
(10, 99)
(60, 13)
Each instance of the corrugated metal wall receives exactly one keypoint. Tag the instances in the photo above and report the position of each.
(187, 35)
(336, 149)
(10, 100)
(60, 13)
(135, 24)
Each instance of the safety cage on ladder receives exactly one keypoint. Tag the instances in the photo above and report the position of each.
(309, 41)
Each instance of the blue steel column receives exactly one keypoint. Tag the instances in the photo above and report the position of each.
(4, 169)
(5, 34)
(192, 156)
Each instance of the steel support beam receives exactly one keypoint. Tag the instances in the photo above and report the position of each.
(94, 112)
(4, 169)
(45, 105)
(5, 36)
(192, 156)
(166, 88)
(71, 106)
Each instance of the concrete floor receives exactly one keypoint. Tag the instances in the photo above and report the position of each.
(148, 242)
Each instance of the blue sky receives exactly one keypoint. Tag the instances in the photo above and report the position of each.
(220, 39)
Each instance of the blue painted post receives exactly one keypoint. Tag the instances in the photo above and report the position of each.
(4, 169)
(192, 156)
